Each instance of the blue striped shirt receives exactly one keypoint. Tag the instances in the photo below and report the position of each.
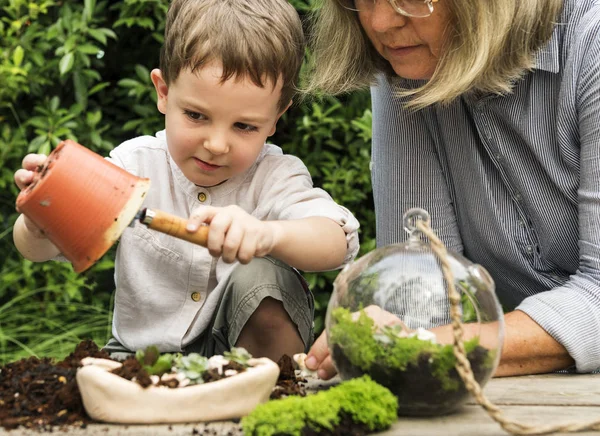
(512, 182)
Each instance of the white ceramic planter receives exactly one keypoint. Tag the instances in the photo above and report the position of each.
(110, 398)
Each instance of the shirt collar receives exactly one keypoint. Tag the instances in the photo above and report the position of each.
(549, 57)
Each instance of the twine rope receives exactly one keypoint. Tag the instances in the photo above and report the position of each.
(463, 366)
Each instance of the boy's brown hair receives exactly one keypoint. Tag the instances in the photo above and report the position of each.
(262, 40)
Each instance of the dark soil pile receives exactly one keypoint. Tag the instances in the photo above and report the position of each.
(213, 374)
(287, 383)
(39, 393)
(133, 369)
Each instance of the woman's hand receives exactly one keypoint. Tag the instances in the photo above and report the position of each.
(319, 359)
(23, 178)
(234, 234)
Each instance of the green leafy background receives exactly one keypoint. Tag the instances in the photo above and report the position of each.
(80, 70)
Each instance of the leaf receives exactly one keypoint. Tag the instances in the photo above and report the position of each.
(54, 103)
(88, 49)
(239, 355)
(88, 9)
(163, 364)
(18, 55)
(98, 87)
(97, 35)
(80, 86)
(45, 148)
(66, 63)
(128, 83)
(108, 33)
(143, 73)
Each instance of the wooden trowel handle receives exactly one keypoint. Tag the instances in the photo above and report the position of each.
(173, 225)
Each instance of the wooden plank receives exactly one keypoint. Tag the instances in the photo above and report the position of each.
(547, 389)
(474, 421)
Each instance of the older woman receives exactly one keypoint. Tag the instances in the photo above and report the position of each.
(487, 114)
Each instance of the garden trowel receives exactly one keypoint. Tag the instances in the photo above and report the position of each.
(171, 225)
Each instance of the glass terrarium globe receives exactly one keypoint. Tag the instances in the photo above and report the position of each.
(389, 317)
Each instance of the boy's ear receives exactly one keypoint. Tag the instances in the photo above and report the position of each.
(161, 90)
(272, 132)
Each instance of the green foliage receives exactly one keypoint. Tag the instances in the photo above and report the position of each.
(363, 346)
(363, 400)
(155, 363)
(193, 366)
(80, 70)
(238, 355)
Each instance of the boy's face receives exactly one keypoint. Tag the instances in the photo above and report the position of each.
(215, 130)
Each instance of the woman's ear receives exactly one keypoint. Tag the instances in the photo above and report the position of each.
(161, 90)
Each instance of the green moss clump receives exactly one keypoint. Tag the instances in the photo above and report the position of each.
(365, 401)
(364, 346)
(364, 350)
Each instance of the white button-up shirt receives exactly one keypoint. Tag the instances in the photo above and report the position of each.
(167, 288)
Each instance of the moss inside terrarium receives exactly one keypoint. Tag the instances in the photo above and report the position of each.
(418, 371)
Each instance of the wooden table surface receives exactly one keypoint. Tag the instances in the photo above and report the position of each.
(538, 399)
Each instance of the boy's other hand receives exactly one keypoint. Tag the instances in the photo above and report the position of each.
(23, 178)
(319, 359)
(234, 233)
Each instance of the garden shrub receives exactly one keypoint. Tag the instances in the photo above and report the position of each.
(80, 70)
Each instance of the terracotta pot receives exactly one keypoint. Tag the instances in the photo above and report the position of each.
(82, 202)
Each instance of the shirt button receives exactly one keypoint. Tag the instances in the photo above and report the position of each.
(196, 296)
(529, 249)
(518, 196)
(202, 197)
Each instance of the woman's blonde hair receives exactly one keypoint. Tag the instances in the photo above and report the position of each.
(490, 45)
(257, 39)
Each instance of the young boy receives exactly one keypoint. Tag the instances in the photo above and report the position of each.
(227, 73)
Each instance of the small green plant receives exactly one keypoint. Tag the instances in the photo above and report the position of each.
(365, 346)
(367, 403)
(239, 355)
(193, 366)
(155, 363)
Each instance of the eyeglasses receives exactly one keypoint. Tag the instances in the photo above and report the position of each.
(408, 8)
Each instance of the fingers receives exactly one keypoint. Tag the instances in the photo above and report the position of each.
(24, 176)
(233, 237)
(31, 163)
(319, 359)
(199, 216)
(248, 248)
(227, 231)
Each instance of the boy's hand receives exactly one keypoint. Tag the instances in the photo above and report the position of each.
(23, 178)
(234, 234)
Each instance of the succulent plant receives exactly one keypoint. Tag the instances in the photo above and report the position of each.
(238, 355)
(193, 366)
(153, 362)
